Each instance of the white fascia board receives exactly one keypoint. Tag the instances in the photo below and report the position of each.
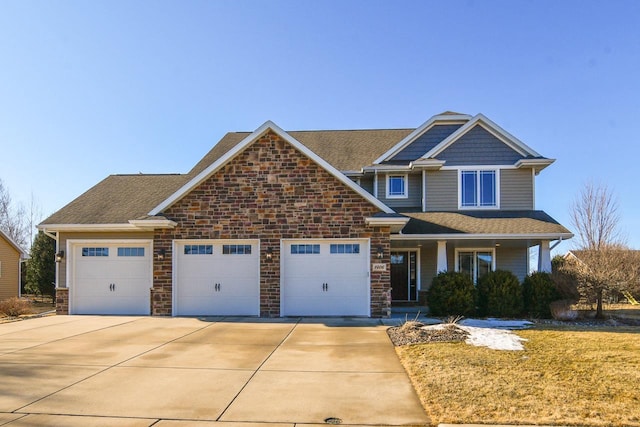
(268, 125)
(491, 127)
(388, 168)
(395, 224)
(87, 227)
(442, 119)
(463, 236)
(431, 164)
(153, 223)
(13, 243)
(537, 164)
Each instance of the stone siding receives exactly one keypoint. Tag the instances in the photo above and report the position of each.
(62, 301)
(270, 191)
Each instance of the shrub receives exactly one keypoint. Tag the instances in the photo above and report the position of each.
(563, 310)
(499, 294)
(15, 307)
(450, 294)
(538, 291)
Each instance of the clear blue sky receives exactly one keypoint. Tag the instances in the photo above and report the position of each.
(91, 88)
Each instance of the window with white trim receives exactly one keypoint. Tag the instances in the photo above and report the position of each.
(478, 188)
(198, 249)
(397, 186)
(476, 263)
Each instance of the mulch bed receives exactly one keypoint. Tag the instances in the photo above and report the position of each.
(413, 333)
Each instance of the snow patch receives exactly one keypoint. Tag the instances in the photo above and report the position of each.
(496, 339)
(496, 323)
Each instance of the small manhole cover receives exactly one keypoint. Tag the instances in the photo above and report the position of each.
(333, 420)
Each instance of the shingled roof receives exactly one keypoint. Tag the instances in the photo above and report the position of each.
(118, 199)
(483, 222)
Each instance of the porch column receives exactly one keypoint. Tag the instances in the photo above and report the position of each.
(544, 257)
(442, 256)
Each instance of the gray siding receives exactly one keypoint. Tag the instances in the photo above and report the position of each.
(516, 189)
(366, 182)
(415, 192)
(425, 142)
(428, 265)
(442, 190)
(514, 260)
(479, 147)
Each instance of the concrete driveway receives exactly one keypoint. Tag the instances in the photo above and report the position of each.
(142, 371)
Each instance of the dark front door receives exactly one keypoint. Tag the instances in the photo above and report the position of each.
(400, 276)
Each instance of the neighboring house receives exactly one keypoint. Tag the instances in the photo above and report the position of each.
(276, 223)
(11, 255)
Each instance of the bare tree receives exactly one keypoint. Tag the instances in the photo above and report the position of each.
(603, 264)
(13, 218)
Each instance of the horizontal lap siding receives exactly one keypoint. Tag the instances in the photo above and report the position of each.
(442, 190)
(478, 147)
(10, 273)
(514, 260)
(516, 189)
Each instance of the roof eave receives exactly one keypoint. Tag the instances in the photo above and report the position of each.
(536, 164)
(395, 224)
(89, 227)
(469, 236)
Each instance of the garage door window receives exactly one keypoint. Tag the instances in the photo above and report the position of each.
(198, 249)
(345, 248)
(236, 249)
(95, 251)
(130, 251)
(305, 249)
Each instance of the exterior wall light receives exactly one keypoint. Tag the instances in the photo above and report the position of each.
(269, 254)
(59, 256)
(380, 252)
(161, 254)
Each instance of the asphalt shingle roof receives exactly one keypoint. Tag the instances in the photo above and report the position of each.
(482, 222)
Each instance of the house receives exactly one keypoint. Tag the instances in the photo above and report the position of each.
(11, 255)
(274, 223)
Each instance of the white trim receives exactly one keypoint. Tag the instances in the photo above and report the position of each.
(424, 190)
(153, 223)
(440, 118)
(475, 251)
(491, 127)
(533, 188)
(442, 261)
(375, 184)
(478, 207)
(71, 263)
(396, 224)
(238, 148)
(88, 227)
(465, 236)
(405, 177)
(536, 164)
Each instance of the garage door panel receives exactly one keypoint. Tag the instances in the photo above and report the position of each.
(333, 280)
(111, 283)
(225, 281)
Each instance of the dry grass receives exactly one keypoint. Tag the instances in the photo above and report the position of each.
(564, 377)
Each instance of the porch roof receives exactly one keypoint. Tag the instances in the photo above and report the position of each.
(485, 223)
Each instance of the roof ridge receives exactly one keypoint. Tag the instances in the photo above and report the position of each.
(146, 174)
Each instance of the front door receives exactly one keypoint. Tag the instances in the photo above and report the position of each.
(403, 276)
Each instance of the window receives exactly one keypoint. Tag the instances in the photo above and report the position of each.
(130, 251)
(396, 186)
(476, 263)
(478, 188)
(305, 249)
(236, 249)
(198, 249)
(95, 251)
(345, 248)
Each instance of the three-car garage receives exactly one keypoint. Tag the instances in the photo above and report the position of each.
(318, 277)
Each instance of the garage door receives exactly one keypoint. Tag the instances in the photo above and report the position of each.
(325, 278)
(217, 278)
(111, 278)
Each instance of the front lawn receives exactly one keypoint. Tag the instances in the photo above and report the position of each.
(575, 376)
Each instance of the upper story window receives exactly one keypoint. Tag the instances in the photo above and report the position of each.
(478, 189)
(397, 186)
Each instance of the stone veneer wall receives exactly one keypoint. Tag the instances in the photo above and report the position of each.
(270, 191)
(62, 301)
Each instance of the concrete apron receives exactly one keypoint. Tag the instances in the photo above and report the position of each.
(130, 371)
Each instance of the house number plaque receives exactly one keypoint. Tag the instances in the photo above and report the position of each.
(379, 267)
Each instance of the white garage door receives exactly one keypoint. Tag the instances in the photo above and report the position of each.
(217, 278)
(325, 278)
(111, 277)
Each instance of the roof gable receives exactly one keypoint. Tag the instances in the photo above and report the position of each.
(246, 142)
(501, 134)
(12, 243)
(445, 118)
(425, 142)
(478, 146)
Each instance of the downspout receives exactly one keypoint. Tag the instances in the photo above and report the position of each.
(556, 244)
(375, 183)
